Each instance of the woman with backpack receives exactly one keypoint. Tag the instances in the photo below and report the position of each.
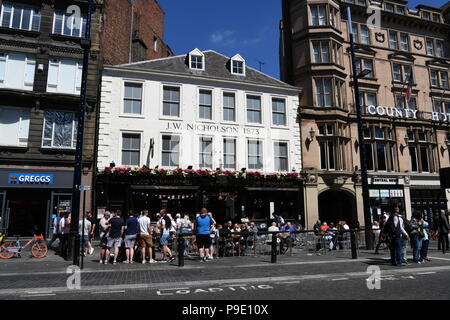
(165, 227)
(416, 236)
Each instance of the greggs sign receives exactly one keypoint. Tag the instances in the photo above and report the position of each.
(405, 113)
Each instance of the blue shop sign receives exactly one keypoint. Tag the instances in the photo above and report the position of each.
(30, 178)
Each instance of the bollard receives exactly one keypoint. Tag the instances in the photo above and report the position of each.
(180, 250)
(274, 249)
(353, 244)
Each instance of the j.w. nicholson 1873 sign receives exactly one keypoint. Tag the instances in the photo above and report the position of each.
(405, 113)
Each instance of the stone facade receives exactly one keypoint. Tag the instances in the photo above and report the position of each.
(409, 149)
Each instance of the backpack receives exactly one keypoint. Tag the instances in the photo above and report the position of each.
(407, 226)
(168, 222)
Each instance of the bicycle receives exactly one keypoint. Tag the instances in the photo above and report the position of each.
(39, 248)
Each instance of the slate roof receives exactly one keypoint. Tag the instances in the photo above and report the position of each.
(217, 66)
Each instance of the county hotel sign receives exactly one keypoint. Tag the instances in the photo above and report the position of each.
(405, 113)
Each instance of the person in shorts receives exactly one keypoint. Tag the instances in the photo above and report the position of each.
(104, 231)
(116, 228)
(203, 229)
(131, 227)
(145, 237)
(166, 228)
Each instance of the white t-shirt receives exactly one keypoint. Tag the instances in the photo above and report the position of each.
(87, 226)
(103, 223)
(144, 224)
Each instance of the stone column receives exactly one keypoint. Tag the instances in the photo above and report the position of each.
(311, 201)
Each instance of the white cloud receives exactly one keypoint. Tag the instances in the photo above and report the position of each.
(223, 37)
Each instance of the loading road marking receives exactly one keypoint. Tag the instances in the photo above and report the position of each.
(223, 282)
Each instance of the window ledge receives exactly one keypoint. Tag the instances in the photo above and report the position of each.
(124, 115)
(168, 118)
(57, 150)
(28, 33)
(14, 148)
(274, 126)
(62, 37)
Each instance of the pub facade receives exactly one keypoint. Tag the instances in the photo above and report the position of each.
(199, 130)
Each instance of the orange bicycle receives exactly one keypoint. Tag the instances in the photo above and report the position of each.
(39, 248)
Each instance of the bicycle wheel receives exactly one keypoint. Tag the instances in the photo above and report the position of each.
(5, 253)
(39, 249)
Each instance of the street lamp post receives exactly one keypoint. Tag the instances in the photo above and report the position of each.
(74, 243)
(362, 151)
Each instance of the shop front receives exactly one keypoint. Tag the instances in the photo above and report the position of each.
(29, 199)
(427, 201)
(233, 196)
(386, 193)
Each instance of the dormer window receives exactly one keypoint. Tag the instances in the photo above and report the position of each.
(196, 60)
(237, 65)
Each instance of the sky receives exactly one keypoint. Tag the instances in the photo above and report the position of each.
(247, 27)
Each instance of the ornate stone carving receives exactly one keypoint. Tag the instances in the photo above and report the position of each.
(418, 44)
(380, 37)
(311, 178)
(356, 177)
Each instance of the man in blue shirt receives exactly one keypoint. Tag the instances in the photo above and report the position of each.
(131, 226)
(203, 229)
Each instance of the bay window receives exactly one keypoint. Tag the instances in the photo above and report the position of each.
(60, 130)
(421, 151)
(379, 147)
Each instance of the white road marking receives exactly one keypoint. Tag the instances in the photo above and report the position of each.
(339, 279)
(426, 273)
(107, 292)
(223, 282)
(38, 295)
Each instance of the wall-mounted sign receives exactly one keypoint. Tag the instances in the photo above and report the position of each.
(401, 113)
(384, 180)
(30, 178)
(392, 112)
(212, 128)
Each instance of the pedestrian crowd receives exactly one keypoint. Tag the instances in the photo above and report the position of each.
(395, 231)
(143, 239)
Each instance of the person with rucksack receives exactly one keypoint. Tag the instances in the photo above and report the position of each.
(165, 227)
(416, 236)
(203, 228)
(394, 232)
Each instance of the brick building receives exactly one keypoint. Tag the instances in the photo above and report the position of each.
(40, 82)
(406, 141)
(136, 30)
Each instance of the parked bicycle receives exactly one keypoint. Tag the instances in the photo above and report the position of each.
(39, 248)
